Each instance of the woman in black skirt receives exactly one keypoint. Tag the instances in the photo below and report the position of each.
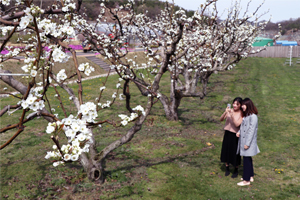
(234, 118)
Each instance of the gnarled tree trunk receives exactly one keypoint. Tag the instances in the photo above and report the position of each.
(171, 106)
(94, 163)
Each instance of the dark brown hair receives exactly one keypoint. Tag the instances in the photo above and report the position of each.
(251, 109)
(238, 99)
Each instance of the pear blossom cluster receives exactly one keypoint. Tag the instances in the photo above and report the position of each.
(59, 56)
(86, 68)
(79, 140)
(107, 104)
(61, 75)
(126, 119)
(78, 134)
(68, 6)
(32, 101)
(30, 12)
(139, 109)
(88, 111)
(30, 66)
(25, 21)
(5, 2)
(4, 30)
(55, 29)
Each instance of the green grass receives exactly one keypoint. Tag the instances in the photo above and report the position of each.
(171, 160)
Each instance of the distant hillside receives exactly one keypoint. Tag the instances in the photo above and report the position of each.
(288, 26)
(91, 8)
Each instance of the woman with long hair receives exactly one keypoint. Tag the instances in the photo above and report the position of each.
(247, 146)
(230, 141)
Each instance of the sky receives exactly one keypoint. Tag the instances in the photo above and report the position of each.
(279, 10)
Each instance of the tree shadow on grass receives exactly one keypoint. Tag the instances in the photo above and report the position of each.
(49, 186)
(142, 162)
(188, 120)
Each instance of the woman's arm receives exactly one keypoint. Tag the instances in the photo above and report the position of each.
(224, 115)
(236, 122)
(251, 130)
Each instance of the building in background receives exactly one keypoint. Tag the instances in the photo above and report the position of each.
(260, 42)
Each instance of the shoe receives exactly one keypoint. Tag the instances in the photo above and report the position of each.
(234, 175)
(251, 179)
(243, 183)
(227, 173)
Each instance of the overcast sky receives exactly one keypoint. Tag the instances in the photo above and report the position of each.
(279, 9)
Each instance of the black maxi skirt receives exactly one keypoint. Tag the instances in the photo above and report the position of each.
(229, 148)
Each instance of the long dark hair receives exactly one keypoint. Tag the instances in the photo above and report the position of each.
(238, 99)
(251, 109)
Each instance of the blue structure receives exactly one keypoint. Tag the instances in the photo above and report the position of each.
(290, 43)
(279, 42)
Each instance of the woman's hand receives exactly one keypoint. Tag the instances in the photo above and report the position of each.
(238, 134)
(228, 110)
(246, 147)
(225, 114)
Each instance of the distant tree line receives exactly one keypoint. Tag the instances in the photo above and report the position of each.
(286, 25)
(153, 7)
(91, 8)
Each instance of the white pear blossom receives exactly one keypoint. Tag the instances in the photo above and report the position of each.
(61, 76)
(50, 154)
(67, 157)
(33, 73)
(55, 164)
(124, 122)
(35, 106)
(25, 21)
(123, 116)
(81, 137)
(75, 127)
(24, 104)
(121, 97)
(140, 109)
(74, 157)
(50, 127)
(102, 88)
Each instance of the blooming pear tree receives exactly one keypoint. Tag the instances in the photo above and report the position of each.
(189, 50)
(51, 28)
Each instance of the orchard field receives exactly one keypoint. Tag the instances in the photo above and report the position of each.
(167, 159)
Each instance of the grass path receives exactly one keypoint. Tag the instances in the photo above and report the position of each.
(172, 160)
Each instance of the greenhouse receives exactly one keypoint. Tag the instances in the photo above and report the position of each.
(260, 42)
